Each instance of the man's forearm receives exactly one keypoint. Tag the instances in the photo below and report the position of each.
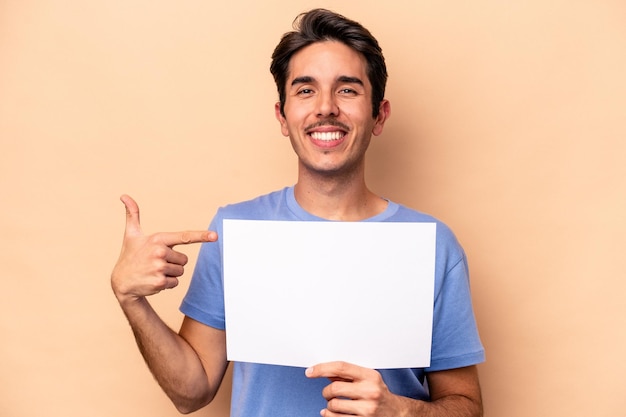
(450, 406)
(172, 361)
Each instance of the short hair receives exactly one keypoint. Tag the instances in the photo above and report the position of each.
(320, 25)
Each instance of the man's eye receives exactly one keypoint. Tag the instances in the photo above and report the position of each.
(305, 91)
(347, 91)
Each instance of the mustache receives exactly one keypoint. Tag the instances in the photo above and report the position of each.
(328, 122)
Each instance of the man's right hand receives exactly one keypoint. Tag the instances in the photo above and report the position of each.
(148, 264)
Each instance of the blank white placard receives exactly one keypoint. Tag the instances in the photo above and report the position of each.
(300, 293)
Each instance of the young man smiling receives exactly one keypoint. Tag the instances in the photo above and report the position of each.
(327, 114)
(330, 75)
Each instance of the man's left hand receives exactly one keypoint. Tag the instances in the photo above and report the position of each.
(355, 390)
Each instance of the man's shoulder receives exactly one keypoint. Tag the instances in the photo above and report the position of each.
(255, 208)
(408, 214)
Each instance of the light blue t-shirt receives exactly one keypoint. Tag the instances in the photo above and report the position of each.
(281, 391)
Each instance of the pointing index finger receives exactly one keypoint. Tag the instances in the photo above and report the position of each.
(187, 237)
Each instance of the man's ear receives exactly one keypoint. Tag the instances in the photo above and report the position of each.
(281, 119)
(384, 112)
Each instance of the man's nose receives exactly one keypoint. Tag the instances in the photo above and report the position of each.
(327, 105)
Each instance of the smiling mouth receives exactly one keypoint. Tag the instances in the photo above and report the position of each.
(327, 136)
(327, 131)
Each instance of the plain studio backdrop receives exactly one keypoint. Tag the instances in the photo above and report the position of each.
(508, 123)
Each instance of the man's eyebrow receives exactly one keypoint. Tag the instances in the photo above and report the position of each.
(350, 80)
(307, 79)
(302, 80)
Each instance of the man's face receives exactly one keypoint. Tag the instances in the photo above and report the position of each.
(328, 108)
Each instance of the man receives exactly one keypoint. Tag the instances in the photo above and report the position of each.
(331, 77)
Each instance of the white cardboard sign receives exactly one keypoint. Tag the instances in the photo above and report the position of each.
(301, 293)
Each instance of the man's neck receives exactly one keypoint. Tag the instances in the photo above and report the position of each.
(338, 199)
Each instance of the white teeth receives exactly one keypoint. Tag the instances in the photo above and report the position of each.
(327, 136)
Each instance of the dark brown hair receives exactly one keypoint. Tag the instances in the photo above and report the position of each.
(320, 25)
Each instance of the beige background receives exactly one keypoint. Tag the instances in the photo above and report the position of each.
(508, 123)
